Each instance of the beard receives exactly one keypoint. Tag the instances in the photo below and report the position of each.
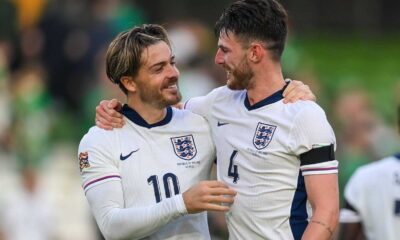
(240, 77)
(157, 97)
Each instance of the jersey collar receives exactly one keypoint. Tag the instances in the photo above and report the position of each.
(137, 119)
(269, 100)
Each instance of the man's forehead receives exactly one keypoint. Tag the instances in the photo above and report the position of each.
(226, 38)
(156, 53)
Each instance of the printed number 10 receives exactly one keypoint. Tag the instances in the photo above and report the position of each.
(168, 178)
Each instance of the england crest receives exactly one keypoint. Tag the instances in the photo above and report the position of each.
(263, 135)
(184, 147)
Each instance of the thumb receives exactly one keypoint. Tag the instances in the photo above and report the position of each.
(112, 103)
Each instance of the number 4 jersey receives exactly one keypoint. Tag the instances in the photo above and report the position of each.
(153, 163)
(263, 152)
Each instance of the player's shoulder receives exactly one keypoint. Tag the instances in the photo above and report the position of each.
(98, 136)
(224, 92)
(378, 167)
(305, 109)
(186, 116)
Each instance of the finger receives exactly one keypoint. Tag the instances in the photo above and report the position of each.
(103, 126)
(215, 184)
(312, 97)
(216, 207)
(112, 112)
(104, 121)
(222, 191)
(114, 104)
(101, 112)
(293, 84)
(220, 199)
(104, 103)
(295, 96)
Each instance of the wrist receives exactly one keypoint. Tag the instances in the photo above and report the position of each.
(180, 204)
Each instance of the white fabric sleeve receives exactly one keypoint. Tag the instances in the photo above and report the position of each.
(202, 105)
(310, 131)
(116, 222)
(98, 161)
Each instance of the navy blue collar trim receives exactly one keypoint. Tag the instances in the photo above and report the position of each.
(397, 156)
(269, 100)
(137, 119)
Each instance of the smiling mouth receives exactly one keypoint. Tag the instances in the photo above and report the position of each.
(173, 87)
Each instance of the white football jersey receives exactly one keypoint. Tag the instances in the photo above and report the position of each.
(373, 197)
(153, 162)
(258, 155)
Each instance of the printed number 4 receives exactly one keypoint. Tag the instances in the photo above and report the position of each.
(233, 169)
(168, 179)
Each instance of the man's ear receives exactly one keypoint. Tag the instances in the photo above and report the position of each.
(128, 83)
(256, 52)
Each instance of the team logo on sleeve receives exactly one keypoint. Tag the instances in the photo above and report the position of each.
(83, 160)
(184, 147)
(263, 135)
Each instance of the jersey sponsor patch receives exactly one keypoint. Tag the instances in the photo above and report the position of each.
(84, 160)
(184, 147)
(263, 135)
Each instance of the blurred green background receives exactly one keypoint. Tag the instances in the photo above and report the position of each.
(52, 76)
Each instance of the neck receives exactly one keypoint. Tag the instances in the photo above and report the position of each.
(148, 112)
(266, 81)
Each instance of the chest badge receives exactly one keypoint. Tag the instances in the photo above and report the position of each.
(184, 147)
(263, 135)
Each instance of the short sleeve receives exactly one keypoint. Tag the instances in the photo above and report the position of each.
(97, 162)
(313, 140)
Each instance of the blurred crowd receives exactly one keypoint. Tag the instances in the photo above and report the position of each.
(51, 78)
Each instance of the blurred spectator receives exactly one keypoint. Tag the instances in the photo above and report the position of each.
(5, 110)
(102, 88)
(362, 136)
(8, 30)
(31, 116)
(29, 12)
(372, 201)
(190, 42)
(27, 214)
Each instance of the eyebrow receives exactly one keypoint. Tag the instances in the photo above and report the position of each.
(162, 63)
(223, 47)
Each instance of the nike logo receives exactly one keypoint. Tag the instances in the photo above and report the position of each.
(219, 124)
(122, 158)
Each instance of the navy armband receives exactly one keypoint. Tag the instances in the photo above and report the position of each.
(318, 155)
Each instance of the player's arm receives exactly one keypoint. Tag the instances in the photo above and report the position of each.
(108, 117)
(323, 194)
(117, 222)
(312, 138)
